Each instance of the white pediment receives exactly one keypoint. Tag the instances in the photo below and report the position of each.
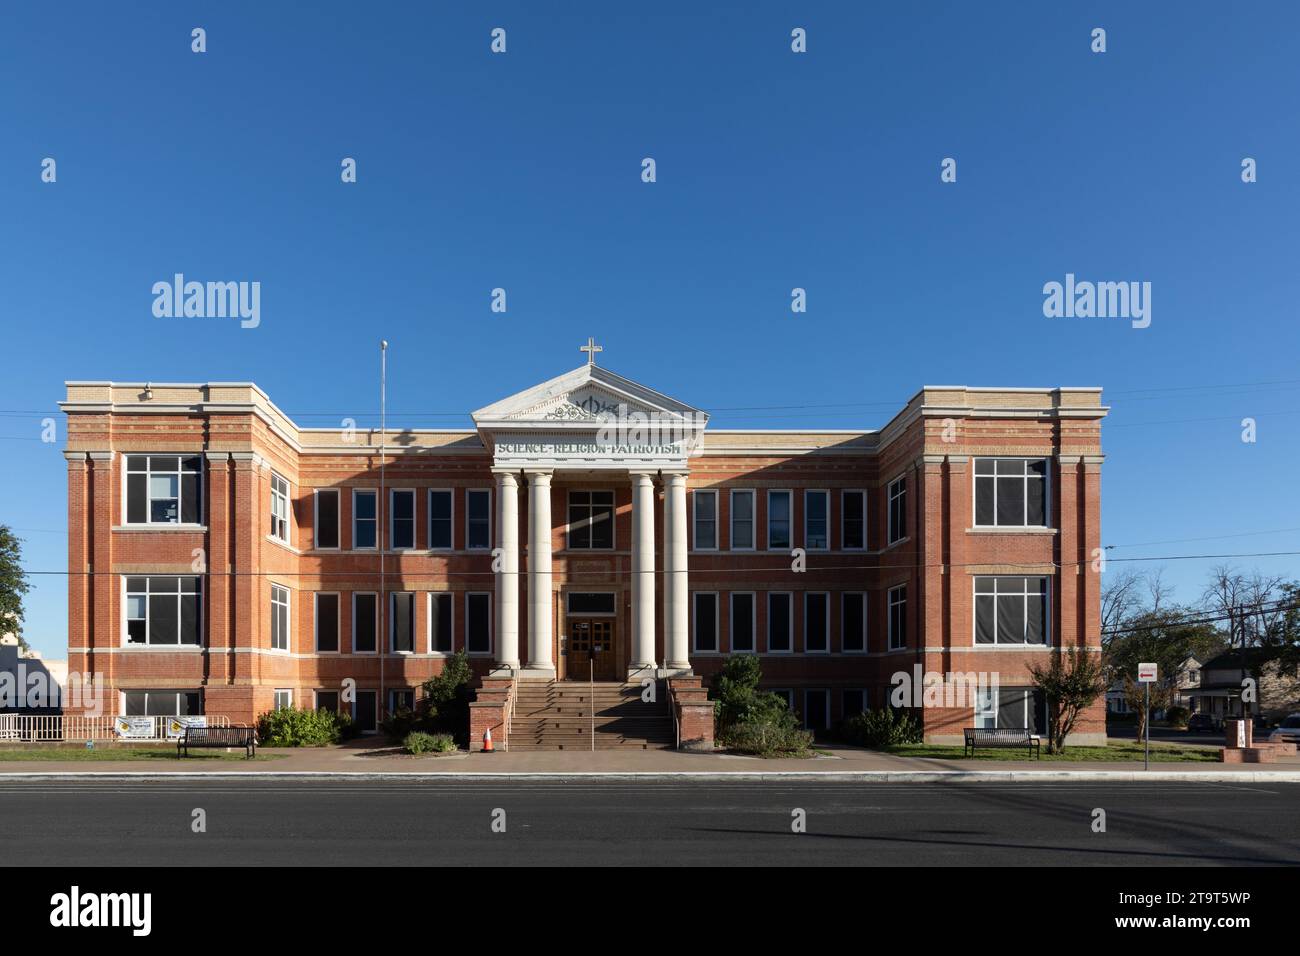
(590, 418)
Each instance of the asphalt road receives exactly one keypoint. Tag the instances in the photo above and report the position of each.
(448, 824)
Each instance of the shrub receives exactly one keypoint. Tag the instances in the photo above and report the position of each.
(882, 728)
(734, 690)
(769, 736)
(397, 725)
(419, 742)
(289, 727)
(1177, 716)
(445, 707)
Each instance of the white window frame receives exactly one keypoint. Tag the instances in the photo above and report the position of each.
(753, 622)
(789, 637)
(491, 615)
(1024, 594)
(826, 634)
(428, 622)
(392, 519)
(148, 593)
(826, 496)
(695, 519)
(844, 494)
(357, 493)
(890, 603)
(695, 617)
(288, 617)
(282, 498)
(866, 603)
(1025, 460)
(753, 520)
(338, 621)
(767, 525)
(150, 691)
(451, 519)
(287, 693)
(352, 636)
(148, 498)
(392, 623)
(315, 520)
(890, 495)
(490, 529)
(613, 519)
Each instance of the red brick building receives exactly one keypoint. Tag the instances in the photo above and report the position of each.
(225, 560)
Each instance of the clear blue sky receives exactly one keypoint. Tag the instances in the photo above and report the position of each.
(775, 170)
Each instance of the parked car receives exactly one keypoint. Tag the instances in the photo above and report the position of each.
(1204, 724)
(1288, 730)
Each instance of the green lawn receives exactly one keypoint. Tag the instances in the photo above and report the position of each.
(8, 754)
(1116, 751)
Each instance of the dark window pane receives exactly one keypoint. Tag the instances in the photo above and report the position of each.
(854, 520)
(1037, 501)
(984, 501)
(854, 618)
(440, 519)
(327, 622)
(1011, 619)
(403, 622)
(1011, 501)
(742, 622)
(327, 700)
(441, 637)
(365, 505)
(363, 637)
(778, 520)
(815, 622)
(706, 626)
(190, 499)
(163, 620)
(135, 703)
(1035, 619)
(190, 703)
(477, 531)
(706, 520)
(403, 519)
(854, 703)
(190, 619)
(985, 466)
(814, 717)
(364, 710)
(327, 519)
(478, 639)
(985, 631)
(778, 622)
(1038, 712)
(581, 602)
(135, 633)
(1011, 707)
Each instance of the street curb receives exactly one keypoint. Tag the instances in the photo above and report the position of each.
(774, 776)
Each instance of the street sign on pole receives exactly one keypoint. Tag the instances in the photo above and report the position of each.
(1146, 673)
(1146, 677)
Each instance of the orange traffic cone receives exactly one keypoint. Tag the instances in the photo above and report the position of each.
(487, 741)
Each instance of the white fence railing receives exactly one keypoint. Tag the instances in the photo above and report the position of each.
(29, 727)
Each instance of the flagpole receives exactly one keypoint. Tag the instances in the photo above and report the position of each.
(381, 513)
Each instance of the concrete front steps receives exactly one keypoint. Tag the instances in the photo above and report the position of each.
(568, 715)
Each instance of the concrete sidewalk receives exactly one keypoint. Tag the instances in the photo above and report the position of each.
(370, 760)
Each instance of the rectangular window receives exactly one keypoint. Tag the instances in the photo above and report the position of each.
(592, 602)
(283, 699)
(854, 520)
(706, 520)
(164, 489)
(1011, 707)
(898, 509)
(478, 623)
(401, 530)
(440, 633)
(401, 700)
(365, 711)
(440, 520)
(816, 709)
(279, 508)
(327, 518)
(591, 520)
(816, 622)
(898, 617)
(279, 617)
(1011, 610)
(1010, 492)
(327, 700)
(778, 521)
(327, 622)
(854, 702)
(478, 518)
(163, 610)
(162, 703)
(365, 519)
(742, 622)
(706, 622)
(853, 622)
(402, 620)
(817, 520)
(779, 621)
(365, 622)
(742, 521)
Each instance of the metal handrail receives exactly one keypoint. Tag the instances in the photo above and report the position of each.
(591, 699)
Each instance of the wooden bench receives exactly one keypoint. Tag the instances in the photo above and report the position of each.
(223, 737)
(1001, 737)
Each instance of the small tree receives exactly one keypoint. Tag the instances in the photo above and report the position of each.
(13, 584)
(1070, 683)
(446, 698)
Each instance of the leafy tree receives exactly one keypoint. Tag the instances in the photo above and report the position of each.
(13, 584)
(1070, 683)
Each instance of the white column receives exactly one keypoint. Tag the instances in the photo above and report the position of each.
(508, 576)
(643, 573)
(539, 573)
(677, 598)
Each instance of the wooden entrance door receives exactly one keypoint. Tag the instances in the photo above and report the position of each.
(591, 642)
